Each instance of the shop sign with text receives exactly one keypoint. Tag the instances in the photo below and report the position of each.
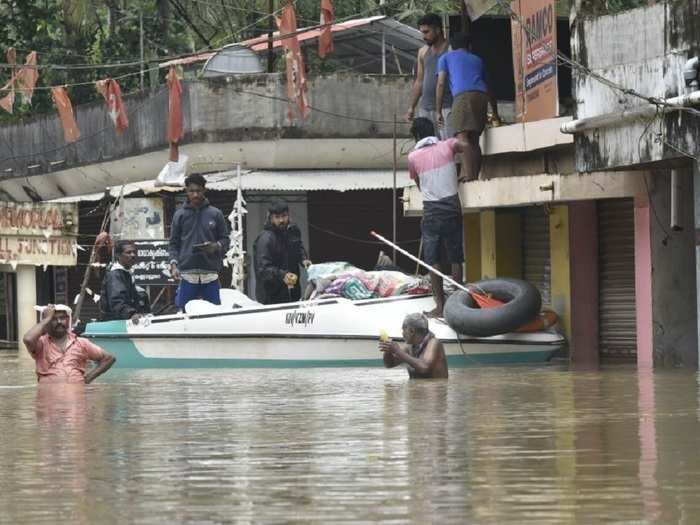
(534, 32)
(38, 233)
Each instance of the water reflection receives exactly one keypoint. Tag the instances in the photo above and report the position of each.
(490, 445)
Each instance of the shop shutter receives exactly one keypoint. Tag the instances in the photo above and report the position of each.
(536, 259)
(618, 326)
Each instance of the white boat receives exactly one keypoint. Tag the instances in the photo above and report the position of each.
(335, 332)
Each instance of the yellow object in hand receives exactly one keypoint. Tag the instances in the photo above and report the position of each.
(384, 337)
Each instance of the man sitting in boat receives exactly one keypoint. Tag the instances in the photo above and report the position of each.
(423, 352)
(278, 254)
(432, 166)
(60, 355)
(120, 298)
(198, 240)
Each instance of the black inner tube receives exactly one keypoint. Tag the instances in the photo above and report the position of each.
(522, 303)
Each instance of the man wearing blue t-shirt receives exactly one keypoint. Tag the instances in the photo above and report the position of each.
(470, 98)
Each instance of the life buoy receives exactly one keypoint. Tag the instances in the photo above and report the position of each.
(546, 319)
(522, 303)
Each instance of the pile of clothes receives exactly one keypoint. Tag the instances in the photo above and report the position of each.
(342, 279)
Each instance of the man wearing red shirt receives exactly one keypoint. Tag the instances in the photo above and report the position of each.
(60, 355)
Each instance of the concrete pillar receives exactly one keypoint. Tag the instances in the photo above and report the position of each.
(583, 247)
(500, 236)
(472, 247)
(642, 282)
(560, 261)
(488, 244)
(696, 193)
(509, 244)
(26, 300)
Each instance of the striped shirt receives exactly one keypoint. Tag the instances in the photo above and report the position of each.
(432, 164)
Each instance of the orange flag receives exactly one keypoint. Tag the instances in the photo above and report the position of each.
(65, 112)
(175, 128)
(8, 101)
(27, 77)
(296, 78)
(112, 93)
(325, 39)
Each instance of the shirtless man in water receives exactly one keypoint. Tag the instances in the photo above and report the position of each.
(423, 352)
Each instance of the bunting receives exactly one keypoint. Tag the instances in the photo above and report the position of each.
(65, 112)
(325, 39)
(296, 79)
(175, 128)
(112, 93)
(27, 77)
(8, 101)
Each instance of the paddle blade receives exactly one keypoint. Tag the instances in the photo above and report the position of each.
(484, 301)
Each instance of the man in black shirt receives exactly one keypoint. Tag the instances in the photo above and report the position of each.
(278, 254)
(120, 299)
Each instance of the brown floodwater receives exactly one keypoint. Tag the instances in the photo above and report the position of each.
(490, 445)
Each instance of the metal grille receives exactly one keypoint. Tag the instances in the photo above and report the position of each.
(618, 324)
(536, 255)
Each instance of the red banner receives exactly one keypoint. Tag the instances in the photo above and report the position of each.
(325, 39)
(296, 78)
(65, 112)
(112, 93)
(175, 127)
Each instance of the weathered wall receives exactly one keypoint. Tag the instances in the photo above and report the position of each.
(643, 49)
(246, 108)
(673, 275)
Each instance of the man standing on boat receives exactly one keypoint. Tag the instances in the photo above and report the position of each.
(120, 298)
(432, 166)
(198, 240)
(423, 352)
(60, 355)
(278, 255)
(425, 83)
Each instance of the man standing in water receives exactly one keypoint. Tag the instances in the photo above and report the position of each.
(425, 83)
(60, 355)
(278, 253)
(423, 352)
(198, 241)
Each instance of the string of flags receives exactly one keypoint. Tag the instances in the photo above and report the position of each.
(23, 79)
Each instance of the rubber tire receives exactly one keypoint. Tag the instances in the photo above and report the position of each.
(522, 304)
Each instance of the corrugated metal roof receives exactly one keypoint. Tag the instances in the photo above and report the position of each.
(309, 180)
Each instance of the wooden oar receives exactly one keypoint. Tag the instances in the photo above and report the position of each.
(484, 301)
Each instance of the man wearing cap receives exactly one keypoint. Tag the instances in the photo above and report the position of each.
(60, 355)
(278, 254)
(198, 240)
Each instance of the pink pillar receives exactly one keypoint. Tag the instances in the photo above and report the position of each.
(583, 250)
(642, 264)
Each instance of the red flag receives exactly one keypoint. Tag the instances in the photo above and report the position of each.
(28, 76)
(296, 79)
(8, 101)
(175, 129)
(325, 39)
(65, 112)
(112, 93)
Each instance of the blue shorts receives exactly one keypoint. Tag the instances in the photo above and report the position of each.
(188, 291)
(437, 232)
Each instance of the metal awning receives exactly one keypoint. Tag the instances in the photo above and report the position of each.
(264, 180)
(364, 45)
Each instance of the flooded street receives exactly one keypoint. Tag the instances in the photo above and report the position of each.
(490, 445)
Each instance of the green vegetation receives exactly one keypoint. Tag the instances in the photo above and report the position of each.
(98, 32)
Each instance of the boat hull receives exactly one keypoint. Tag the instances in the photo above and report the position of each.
(335, 333)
